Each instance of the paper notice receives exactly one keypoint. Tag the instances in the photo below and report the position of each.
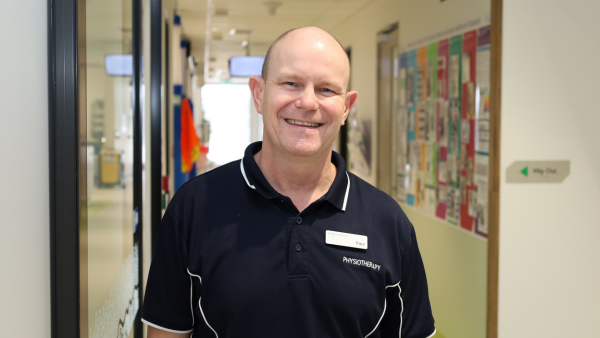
(480, 178)
(442, 172)
(442, 122)
(466, 68)
(482, 137)
(465, 131)
(454, 76)
(483, 67)
(402, 96)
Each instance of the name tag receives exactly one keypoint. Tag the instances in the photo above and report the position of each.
(346, 239)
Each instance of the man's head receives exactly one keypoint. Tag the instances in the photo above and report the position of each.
(303, 96)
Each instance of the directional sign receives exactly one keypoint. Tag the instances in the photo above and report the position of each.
(538, 171)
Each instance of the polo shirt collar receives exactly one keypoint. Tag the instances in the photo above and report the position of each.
(337, 194)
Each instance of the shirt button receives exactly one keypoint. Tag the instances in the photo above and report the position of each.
(298, 220)
(298, 247)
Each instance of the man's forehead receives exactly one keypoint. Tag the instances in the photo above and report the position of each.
(313, 36)
(309, 44)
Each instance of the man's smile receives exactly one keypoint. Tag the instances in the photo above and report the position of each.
(303, 124)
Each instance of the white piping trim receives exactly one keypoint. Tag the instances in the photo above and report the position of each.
(433, 334)
(402, 310)
(163, 328)
(199, 298)
(384, 307)
(347, 191)
(192, 306)
(244, 174)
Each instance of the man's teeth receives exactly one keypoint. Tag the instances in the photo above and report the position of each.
(299, 123)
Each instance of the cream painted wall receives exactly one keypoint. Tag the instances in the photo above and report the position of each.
(417, 19)
(455, 261)
(549, 233)
(24, 179)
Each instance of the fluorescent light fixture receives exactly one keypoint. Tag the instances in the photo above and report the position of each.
(245, 66)
(119, 64)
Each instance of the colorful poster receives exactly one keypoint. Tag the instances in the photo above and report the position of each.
(443, 123)
(430, 163)
(411, 131)
(422, 73)
(469, 71)
(401, 159)
(442, 126)
(402, 129)
(480, 177)
(454, 110)
(482, 113)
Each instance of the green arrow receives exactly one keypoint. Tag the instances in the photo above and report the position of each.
(525, 171)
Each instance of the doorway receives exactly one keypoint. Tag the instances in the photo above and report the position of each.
(387, 101)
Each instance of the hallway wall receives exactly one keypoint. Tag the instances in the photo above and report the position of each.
(455, 261)
(24, 197)
(549, 252)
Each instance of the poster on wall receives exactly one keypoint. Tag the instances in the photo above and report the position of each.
(443, 129)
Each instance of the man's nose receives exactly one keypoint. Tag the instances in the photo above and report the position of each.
(308, 99)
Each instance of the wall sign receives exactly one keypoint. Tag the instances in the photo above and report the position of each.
(538, 171)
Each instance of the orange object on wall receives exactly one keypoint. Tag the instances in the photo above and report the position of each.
(190, 143)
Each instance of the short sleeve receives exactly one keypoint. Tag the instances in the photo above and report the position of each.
(167, 302)
(408, 313)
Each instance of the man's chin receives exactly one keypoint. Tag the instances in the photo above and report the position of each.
(303, 149)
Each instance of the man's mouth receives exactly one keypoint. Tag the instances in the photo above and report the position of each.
(303, 124)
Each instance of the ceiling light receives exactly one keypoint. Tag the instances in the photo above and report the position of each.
(235, 31)
(221, 12)
(244, 43)
(272, 6)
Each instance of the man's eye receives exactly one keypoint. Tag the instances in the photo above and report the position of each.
(327, 90)
(290, 83)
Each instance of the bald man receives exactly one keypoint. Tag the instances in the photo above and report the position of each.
(285, 242)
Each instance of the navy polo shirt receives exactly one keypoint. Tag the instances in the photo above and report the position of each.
(235, 258)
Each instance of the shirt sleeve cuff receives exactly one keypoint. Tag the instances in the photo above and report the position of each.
(433, 333)
(149, 323)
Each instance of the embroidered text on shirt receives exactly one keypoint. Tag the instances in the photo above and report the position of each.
(361, 262)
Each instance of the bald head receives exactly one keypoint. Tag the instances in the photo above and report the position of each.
(306, 35)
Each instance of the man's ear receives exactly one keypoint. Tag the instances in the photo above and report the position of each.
(257, 88)
(350, 101)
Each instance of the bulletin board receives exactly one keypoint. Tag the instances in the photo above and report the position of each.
(447, 135)
(443, 129)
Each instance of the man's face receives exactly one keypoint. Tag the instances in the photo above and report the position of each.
(304, 101)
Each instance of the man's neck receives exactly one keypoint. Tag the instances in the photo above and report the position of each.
(303, 180)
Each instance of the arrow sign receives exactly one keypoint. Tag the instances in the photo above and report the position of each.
(538, 171)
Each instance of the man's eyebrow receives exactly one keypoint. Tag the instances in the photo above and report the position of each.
(287, 76)
(326, 83)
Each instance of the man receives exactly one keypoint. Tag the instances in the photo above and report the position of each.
(285, 242)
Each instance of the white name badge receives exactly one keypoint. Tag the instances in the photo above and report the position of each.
(346, 239)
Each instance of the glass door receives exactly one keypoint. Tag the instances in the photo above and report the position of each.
(112, 255)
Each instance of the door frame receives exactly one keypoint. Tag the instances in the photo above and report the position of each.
(67, 148)
(383, 173)
(67, 117)
(494, 167)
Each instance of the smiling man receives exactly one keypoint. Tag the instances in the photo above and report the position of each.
(286, 242)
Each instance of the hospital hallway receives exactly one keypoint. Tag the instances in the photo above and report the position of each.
(477, 118)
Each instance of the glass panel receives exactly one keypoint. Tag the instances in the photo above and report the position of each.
(112, 256)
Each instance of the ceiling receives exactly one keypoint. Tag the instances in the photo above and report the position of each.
(253, 16)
